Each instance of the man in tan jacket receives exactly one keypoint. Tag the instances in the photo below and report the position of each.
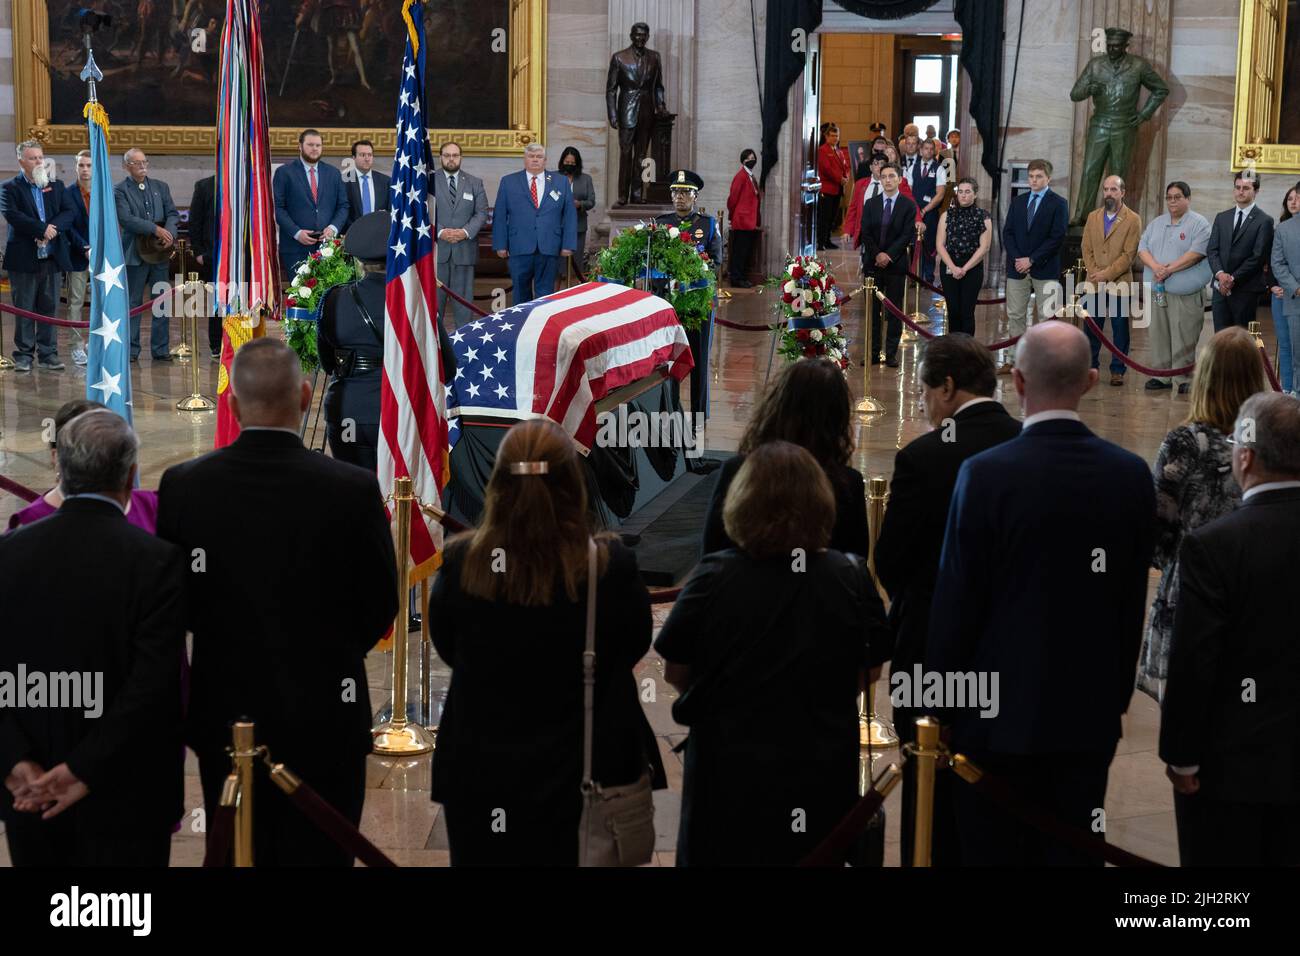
(1110, 241)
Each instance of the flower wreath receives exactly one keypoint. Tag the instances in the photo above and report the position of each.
(325, 268)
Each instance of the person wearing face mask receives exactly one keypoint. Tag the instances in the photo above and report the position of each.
(584, 198)
(742, 208)
(38, 214)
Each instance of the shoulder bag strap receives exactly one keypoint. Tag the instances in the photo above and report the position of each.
(365, 314)
(589, 669)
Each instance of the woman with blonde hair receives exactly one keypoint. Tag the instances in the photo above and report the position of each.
(508, 615)
(1193, 476)
(779, 616)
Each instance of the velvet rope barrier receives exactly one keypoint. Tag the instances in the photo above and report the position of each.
(927, 334)
(664, 595)
(221, 835)
(1028, 812)
(328, 820)
(938, 291)
(1268, 370)
(469, 305)
(830, 851)
(1142, 369)
(17, 490)
(67, 323)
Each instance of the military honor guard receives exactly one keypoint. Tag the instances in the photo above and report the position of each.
(703, 228)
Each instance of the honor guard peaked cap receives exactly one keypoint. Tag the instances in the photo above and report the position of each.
(367, 238)
(685, 179)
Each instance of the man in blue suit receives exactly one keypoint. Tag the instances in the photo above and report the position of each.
(1032, 235)
(35, 253)
(311, 203)
(534, 222)
(1041, 595)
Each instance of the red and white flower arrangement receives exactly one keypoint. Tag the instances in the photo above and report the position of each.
(808, 301)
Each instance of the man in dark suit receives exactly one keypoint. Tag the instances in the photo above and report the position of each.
(203, 243)
(534, 223)
(310, 202)
(957, 384)
(1041, 596)
(292, 664)
(368, 188)
(885, 237)
(1033, 235)
(460, 210)
(36, 252)
(1229, 731)
(148, 219)
(1241, 242)
(77, 790)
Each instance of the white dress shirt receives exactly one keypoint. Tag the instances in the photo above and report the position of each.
(1269, 486)
(1052, 414)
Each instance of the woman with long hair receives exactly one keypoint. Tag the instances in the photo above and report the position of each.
(584, 198)
(786, 616)
(508, 613)
(809, 404)
(1193, 476)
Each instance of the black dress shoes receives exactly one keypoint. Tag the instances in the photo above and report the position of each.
(1155, 385)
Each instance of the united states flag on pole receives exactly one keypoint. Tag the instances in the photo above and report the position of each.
(108, 377)
(413, 404)
(558, 356)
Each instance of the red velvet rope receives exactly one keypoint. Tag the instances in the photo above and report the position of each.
(68, 324)
(746, 328)
(927, 334)
(1268, 370)
(17, 490)
(1153, 372)
(938, 291)
(469, 305)
(664, 595)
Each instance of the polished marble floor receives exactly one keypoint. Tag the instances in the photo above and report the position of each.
(399, 816)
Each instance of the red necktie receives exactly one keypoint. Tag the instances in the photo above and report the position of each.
(312, 175)
(532, 188)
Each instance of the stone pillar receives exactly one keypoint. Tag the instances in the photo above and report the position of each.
(1149, 21)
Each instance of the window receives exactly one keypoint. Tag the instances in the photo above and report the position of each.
(927, 75)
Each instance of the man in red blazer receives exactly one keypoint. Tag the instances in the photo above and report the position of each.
(742, 209)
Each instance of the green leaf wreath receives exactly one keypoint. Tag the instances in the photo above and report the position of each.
(325, 268)
(673, 254)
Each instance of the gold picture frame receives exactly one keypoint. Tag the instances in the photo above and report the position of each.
(1257, 109)
(526, 46)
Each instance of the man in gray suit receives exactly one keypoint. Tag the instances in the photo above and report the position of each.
(460, 213)
(1286, 273)
(148, 218)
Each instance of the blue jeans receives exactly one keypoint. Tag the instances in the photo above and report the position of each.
(1281, 328)
(1096, 305)
(140, 281)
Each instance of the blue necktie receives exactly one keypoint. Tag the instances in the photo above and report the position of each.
(884, 219)
(367, 203)
(1033, 208)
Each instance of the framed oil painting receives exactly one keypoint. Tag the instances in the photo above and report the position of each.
(1266, 114)
(330, 64)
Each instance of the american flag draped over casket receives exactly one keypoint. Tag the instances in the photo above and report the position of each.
(558, 356)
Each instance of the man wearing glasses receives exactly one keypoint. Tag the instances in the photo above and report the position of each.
(148, 219)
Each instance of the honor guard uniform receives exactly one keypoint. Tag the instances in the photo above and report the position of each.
(351, 347)
(703, 229)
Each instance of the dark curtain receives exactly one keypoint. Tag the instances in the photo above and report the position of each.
(982, 24)
(886, 9)
(782, 66)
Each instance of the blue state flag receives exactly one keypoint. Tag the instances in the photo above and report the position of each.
(108, 369)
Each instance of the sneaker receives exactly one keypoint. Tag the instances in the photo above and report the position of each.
(22, 364)
(51, 365)
(1005, 368)
(78, 356)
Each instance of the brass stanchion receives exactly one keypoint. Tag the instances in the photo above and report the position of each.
(868, 405)
(243, 755)
(874, 731)
(183, 351)
(918, 316)
(196, 401)
(1256, 333)
(398, 736)
(925, 753)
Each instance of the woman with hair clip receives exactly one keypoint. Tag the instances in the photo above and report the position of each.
(809, 405)
(508, 614)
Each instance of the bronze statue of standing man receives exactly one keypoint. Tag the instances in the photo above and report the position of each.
(634, 94)
(1114, 80)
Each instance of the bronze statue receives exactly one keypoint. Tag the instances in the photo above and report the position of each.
(634, 94)
(1114, 80)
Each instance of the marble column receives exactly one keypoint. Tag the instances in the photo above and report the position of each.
(1149, 22)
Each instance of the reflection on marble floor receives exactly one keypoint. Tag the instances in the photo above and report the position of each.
(399, 817)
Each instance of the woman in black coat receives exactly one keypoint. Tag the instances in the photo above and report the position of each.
(809, 405)
(780, 617)
(508, 614)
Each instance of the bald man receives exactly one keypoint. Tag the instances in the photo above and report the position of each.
(1040, 597)
(292, 579)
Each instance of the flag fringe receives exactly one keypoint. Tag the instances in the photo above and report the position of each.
(96, 113)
